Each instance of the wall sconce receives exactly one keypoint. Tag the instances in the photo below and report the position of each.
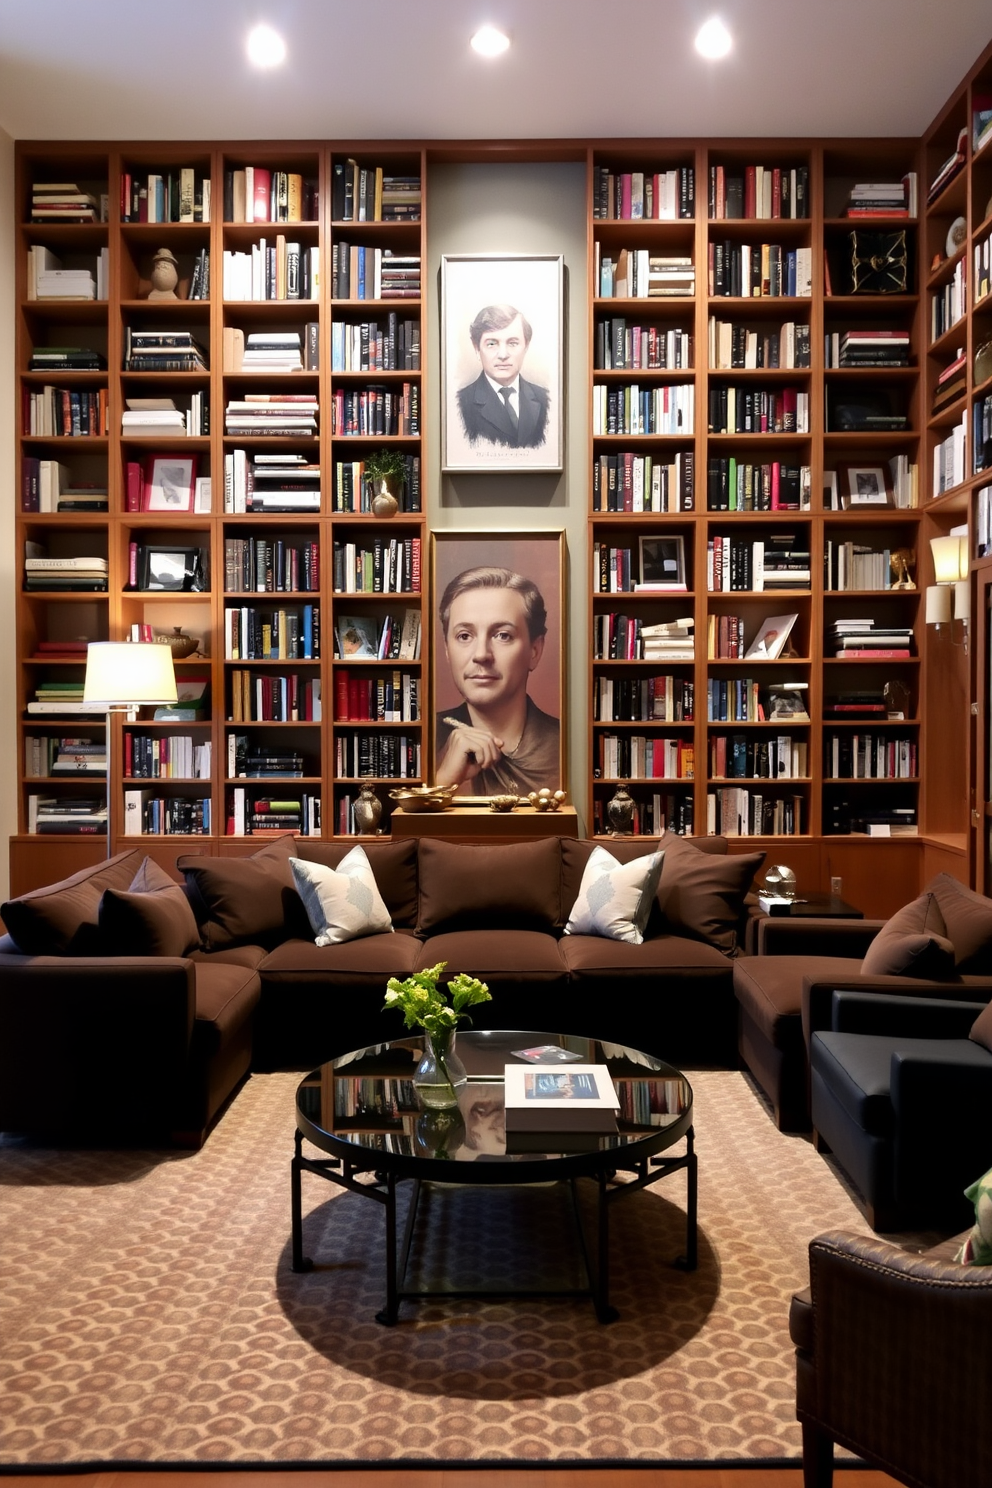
(950, 596)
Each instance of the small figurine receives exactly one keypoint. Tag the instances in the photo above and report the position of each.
(900, 561)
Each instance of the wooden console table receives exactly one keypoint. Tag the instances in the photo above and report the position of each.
(469, 823)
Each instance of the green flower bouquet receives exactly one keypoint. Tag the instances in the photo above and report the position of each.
(425, 1005)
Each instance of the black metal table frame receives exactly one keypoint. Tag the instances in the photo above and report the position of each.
(601, 1166)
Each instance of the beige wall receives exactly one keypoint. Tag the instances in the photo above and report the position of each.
(526, 208)
(8, 567)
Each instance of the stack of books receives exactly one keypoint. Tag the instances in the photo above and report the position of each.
(65, 573)
(273, 351)
(400, 198)
(881, 199)
(156, 418)
(783, 565)
(951, 384)
(66, 359)
(162, 351)
(59, 697)
(950, 168)
(272, 413)
(62, 201)
(67, 815)
(669, 640)
(259, 764)
(864, 640)
(863, 347)
(65, 284)
(270, 483)
(80, 757)
(399, 276)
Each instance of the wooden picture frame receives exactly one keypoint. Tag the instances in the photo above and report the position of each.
(863, 484)
(661, 563)
(169, 483)
(494, 586)
(502, 325)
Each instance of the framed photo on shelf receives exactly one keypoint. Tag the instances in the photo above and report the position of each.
(772, 636)
(175, 570)
(863, 486)
(356, 638)
(662, 563)
(502, 361)
(169, 483)
(498, 685)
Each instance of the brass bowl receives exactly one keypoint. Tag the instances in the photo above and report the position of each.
(502, 803)
(424, 797)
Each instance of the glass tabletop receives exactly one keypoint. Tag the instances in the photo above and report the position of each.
(363, 1106)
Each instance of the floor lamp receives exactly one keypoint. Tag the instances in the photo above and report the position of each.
(123, 676)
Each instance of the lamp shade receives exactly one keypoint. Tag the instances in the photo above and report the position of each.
(938, 604)
(129, 674)
(948, 553)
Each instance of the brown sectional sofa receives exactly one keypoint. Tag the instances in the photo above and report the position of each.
(131, 1005)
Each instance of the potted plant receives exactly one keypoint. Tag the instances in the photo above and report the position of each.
(385, 471)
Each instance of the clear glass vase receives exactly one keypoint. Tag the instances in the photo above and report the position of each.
(439, 1072)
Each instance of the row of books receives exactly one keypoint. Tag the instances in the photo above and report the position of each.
(981, 432)
(391, 697)
(366, 273)
(279, 270)
(376, 411)
(271, 698)
(758, 191)
(373, 194)
(51, 412)
(353, 493)
(248, 760)
(949, 467)
(146, 815)
(386, 756)
(853, 565)
(621, 345)
(254, 634)
(639, 274)
(263, 414)
(661, 699)
(759, 270)
(744, 757)
(620, 637)
(633, 409)
(73, 757)
(643, 757)
(166, 757)
(267, 482)
(392, 345)
(66, 359)
(751, 410)
(177, 195)
(249, 815)
(982, 282)
(745, 700)
(755, 565)
(744, 485)
(389, 566)
(631, 196)
(47, 486)
(629, 482)
(949, 303)
(259, 194)
(654, 812)
(615, 567)
(735, 811)
(373, 1097)
(265, 565)
(365, 638)
(733, 344)
(854, 756)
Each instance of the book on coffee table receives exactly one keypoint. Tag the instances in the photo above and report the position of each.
(581, 1098)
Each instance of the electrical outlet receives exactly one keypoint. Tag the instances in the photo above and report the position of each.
(835, 885)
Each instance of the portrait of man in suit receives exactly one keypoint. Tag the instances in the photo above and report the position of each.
(501, 406)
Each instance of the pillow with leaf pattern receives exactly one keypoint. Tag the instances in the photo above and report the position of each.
(342, 903)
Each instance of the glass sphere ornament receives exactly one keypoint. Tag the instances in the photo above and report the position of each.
(781, 881)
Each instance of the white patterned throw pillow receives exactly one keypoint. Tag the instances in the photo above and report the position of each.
(977, 1249)
(342, 903)
(615, 898)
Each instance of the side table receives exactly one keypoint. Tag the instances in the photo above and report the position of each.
(804, 906)
(469, 823)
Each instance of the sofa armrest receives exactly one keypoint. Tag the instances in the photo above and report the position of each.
(903, 1017)
(781, 935)
(818, 994)
(81, 1038)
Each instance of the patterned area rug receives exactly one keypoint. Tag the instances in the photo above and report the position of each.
(149, 1312)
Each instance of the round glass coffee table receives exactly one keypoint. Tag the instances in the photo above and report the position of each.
(361, 1109)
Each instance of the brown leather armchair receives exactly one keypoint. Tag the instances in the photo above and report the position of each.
(894, 1362)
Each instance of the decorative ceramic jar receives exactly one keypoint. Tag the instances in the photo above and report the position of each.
(368, 811)
(181, 644)
(386, 490)
(620, 812)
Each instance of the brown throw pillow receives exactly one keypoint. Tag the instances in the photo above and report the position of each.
(914, 942)
(153, 918)
(981, 1029)
(62, 919)
(246, 901)
(513, 886)
(968, 917)
(701, 894)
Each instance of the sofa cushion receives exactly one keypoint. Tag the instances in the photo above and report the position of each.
(152, 918)
(62, 919)
(615, 899)
(245, 901)
(394, 864)
(968, 917)
(336, 969)
(702, 895)
(342, 903)
(981, 1029)
(977, 1248)
(489, 886)
(770, 990)
(912, 943)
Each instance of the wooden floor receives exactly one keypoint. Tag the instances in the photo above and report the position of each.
(595, 1477)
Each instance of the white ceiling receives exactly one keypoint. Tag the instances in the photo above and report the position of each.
(176, 69)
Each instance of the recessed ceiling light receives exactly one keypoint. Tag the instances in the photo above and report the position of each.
(713, 39)
(489, 42)
(266, 47)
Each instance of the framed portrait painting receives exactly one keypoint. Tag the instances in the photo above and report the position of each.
(502, 333)
(497, 694)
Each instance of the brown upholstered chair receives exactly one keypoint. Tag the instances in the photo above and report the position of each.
(894, 1362)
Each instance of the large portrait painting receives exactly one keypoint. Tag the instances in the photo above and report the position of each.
(501, 362)
(498, 673)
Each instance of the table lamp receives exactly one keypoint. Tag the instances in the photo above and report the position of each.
(123, 676)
